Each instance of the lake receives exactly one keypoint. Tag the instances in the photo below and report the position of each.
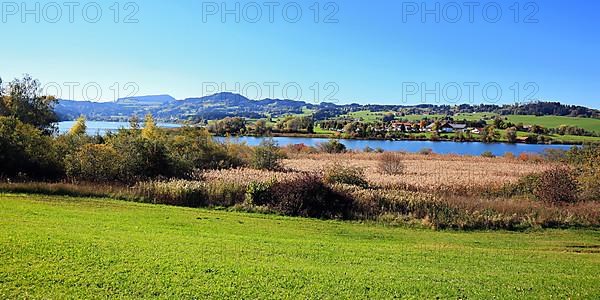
(471, 148)
(102, 127)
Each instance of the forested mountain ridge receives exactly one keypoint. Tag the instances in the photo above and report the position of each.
(221, 105)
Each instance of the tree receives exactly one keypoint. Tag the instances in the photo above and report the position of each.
(537, 129)
(3, 108)
(499, 123)
(24, 150)
(194, 148)
(489, 134)
(150, 130)
(79, 128)
(436, 126)
(134, 122)
(23, 101)
(296, 124)
(228, 126)
(142, 158)
(511, 135)
(388, 117)
(260, 127)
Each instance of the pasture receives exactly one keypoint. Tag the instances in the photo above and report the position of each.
(60, 247)
(544, 121)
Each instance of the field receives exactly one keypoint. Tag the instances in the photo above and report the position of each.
(59, 247)
(544, 121)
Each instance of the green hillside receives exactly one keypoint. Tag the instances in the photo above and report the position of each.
(545, 121)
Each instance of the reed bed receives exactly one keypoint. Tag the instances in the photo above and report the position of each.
(434, 190)
(427, 173)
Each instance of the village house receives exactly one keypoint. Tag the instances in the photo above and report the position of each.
(401, 126)
(448, 127)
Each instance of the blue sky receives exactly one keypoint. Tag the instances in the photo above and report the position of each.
(376, 52)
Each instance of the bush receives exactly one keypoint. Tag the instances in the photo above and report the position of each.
(308, 196)
(332, 146)
(557, 185)
(94, 163)
(589, 182)
(488, 154)
(143, 158)
(194, 149)
(259, 193)
(426, 151)
(338, 173)
(391, 164)
(267, 156)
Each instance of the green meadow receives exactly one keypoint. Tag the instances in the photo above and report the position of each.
(60, 247)
(544, 121)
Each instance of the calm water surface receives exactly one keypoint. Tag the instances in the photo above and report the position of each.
(101, 127)
(472, 148)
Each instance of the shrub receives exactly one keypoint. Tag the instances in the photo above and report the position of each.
(509, 155)
(524, 187)
(426, 151)
(391, 164)
(488, 154)
(94, 163)
(557, 185)
(332, 146)
(267, 156)
(194, 149)
(308, 196)
(259, 193)
(338, 173)
(589, 182)
(143, 158)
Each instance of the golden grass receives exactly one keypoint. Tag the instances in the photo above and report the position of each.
(426, 171)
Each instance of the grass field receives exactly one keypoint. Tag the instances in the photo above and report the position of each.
(545, 121)
(58, 247)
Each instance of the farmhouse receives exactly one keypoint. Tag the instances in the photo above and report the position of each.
(458, 127)
(449, 127)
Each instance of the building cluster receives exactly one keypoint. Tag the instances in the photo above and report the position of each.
(443, 127)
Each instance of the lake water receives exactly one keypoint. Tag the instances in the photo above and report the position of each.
(474, 148)
(101, 127)
(471, 148)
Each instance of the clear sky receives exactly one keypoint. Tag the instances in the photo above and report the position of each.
(384, 52)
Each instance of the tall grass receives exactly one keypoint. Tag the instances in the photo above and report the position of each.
(435, 191)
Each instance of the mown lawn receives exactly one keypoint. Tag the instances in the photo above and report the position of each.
(60, 247)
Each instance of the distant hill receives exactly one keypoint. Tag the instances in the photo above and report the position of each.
(165, 107)
(221, 105)
(156, 100)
